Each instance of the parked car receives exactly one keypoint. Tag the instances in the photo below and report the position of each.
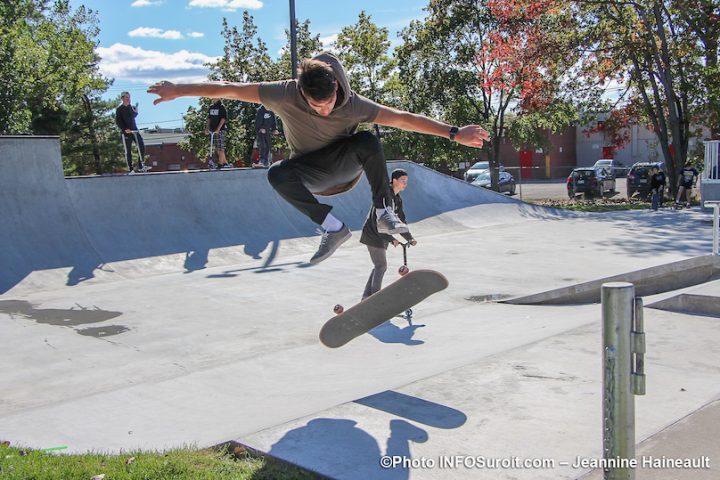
(506, 182)
(617, 168)
(638, 179)
(477, 169)
(590, 182)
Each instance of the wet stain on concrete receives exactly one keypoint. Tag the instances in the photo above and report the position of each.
(65, 317)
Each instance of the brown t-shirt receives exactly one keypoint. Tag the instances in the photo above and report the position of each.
(305, 130)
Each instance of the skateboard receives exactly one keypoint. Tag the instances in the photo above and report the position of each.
(396, 298)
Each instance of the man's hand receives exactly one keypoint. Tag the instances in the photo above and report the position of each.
(165, 90)
(472, 136)
(413, 242)
(395, 243)
(128, 131)
(262, 130)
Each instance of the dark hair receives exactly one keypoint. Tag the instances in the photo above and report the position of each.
(397, 173)
(316, 79)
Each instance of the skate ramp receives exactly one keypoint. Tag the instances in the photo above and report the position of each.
(224, 346)
(647, 281)
(59, 232)
(39, 228)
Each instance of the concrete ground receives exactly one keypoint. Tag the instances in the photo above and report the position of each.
(136, 315)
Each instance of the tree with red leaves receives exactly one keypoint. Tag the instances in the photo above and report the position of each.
(493, 62)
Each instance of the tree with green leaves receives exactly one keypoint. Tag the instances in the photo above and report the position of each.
(308, 45)
(363, 49)
(245, 59)
(48, 64)
(90, 142)
(659, 52)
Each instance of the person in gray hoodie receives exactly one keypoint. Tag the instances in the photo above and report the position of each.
(320, 115)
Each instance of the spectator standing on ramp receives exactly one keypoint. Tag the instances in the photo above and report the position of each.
(320, 115)
(687, 179)
(376, 242)
(125, 119)
(217, 123)
(265, 127)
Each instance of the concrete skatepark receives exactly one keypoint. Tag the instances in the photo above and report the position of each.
(165, 310)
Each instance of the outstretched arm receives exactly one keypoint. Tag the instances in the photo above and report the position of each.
(470, 135)
(166, 91)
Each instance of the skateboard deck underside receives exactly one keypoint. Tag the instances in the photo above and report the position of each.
(392, 300)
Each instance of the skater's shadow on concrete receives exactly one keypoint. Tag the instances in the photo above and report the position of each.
(82, 272)
(196, 260)
(266, 267)
(337, 448)
(388, 332)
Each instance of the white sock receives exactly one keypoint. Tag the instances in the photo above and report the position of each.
(331, 224)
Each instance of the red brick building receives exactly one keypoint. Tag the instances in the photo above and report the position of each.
(165, 155)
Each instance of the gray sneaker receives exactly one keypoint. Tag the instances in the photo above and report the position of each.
(389, 224)
(329, 242)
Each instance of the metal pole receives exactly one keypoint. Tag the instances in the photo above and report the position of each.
(716, 226)
(293, 39)
(618, 304)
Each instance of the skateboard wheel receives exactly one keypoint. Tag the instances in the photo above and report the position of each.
(404, 270)
(338, 309)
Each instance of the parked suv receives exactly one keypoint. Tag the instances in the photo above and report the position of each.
(590, 182)
(638, 179)
(617, 168)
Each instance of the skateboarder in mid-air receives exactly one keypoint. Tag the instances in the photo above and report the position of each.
(320, 115)
(377, 243)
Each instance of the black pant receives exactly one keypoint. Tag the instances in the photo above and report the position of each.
(264, 143)
(127, 144)
(338, 163)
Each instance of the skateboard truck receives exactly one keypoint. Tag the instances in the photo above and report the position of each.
(404, 270)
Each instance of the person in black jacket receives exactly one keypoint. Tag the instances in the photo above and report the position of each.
(657, 187)
(265, 127)
(377, 243)
(125, 119)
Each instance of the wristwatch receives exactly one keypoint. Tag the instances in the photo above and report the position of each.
(453, 131)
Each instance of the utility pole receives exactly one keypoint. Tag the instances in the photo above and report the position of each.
(293, 40)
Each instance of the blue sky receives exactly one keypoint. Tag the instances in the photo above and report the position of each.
(142, 41)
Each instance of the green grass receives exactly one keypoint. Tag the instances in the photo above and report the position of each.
(184, 464)
(600, 205)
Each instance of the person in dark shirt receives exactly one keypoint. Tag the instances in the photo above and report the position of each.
(377, 243)
(657, 187)
(217, 123)
(686, 180)
(265, 127)
(125, 119)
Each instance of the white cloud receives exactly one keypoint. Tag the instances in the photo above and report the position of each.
(328, 41)
(156, 33)
(145, 3)
(230, 5)
(125, 62)
(196, 35)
